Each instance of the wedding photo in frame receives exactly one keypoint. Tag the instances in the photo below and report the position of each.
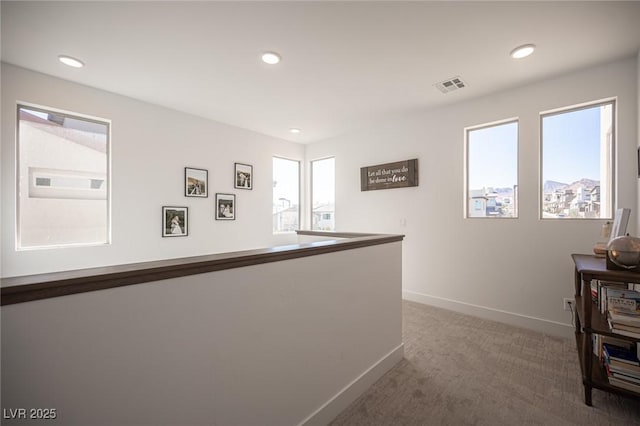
(225, 206)
(196, 182)
(175, 221)
(243, 176)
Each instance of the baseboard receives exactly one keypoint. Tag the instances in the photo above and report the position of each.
(537, 324)
(340, 401)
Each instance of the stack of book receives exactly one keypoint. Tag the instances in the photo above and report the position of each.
(619, 303)
(602, 290)
(623, 366)
(623, 311)
(625, 323)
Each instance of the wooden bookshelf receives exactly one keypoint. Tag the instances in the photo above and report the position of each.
(599, 378)
(590, 321)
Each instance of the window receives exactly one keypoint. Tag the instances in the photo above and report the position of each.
(577, 162)
(286, 194)
(63, 179)
(492, 171)
(323, 194)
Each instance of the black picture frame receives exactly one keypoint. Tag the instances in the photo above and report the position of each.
(639, 162)
(226, 207)
(175, 221)
(196, 182)
(243, 176)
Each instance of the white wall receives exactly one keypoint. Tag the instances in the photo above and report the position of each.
(519, 271)
(514, 270)
(150, 148)
(273, 344)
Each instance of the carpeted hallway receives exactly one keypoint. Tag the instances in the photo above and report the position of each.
(461, 370)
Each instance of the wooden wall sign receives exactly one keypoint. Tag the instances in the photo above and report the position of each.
(400, 174)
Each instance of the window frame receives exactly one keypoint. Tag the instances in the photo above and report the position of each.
(467, 188)
(612, 180)
(17, 210)
(311, 190)
(299, 162)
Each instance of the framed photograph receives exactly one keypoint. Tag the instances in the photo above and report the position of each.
(639, 162)
(243, 176)
(175, 221)
(225, 206)
(196, 182)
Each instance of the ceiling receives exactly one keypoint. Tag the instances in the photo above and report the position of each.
(344, 64)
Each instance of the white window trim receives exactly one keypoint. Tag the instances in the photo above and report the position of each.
(47, 109)
(300, 203)
(466, 166)
(310, 203)
(613, 180)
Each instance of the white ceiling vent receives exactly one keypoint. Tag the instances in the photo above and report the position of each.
(451, 84)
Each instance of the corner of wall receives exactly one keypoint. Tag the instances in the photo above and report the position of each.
(1, 144)
(638, 137)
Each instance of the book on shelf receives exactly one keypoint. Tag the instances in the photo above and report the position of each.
(595, 289)
(627, 333)
(607, 289)
(622, 317)
(599, 286)
(625, 377)
(596, 346)
(628, 303)
(629, 376)
(622, 308)
(621, 374)
(616, 284)
(619, 298)
(621, 291)
(615, 381)
(622, 354)
(621, 343)
(599, 340)
(622, 368)
(625, 327)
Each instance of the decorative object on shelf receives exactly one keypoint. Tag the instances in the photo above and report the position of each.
(175, 221)
(243, 176)
(600, 247)
(623, 253)
(617, 229)
(196, 182)
(620, 221)
(225, 206)
(401, 174)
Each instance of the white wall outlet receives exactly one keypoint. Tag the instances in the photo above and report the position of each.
(568, 304)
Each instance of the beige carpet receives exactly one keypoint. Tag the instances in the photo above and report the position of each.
(461, 370)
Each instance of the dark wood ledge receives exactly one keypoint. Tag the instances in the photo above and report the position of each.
(43, 286)
(334, 234)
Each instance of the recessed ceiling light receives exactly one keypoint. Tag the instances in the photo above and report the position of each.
(523, 51)
(294, 130)
(72, 62)
(270, 58)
